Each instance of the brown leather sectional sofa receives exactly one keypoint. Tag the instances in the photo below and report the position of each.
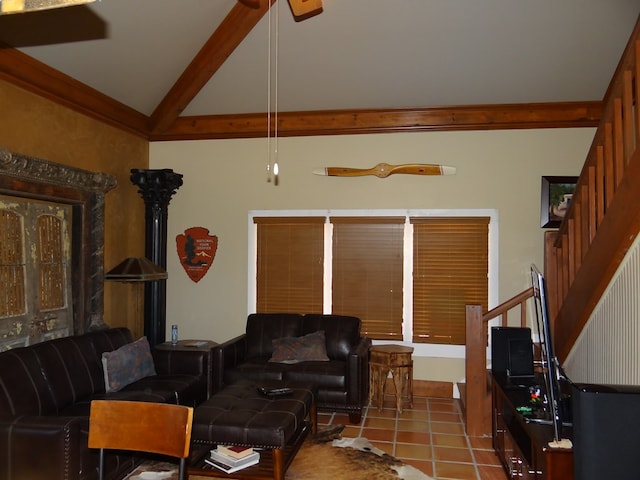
(45, 396)
(342, 381)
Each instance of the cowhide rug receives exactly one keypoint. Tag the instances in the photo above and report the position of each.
(349, 459)
(323, 456)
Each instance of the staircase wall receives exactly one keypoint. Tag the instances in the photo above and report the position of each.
(608, 348)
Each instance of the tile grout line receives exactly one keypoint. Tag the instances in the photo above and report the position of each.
(469, 446)
(433, 452)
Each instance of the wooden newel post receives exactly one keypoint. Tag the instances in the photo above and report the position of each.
(476, 404)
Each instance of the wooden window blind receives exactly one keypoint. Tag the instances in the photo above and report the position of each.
(290, 264)
(450, 268)
(367, 272)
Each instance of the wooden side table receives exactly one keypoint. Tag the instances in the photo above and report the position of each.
(397, 360)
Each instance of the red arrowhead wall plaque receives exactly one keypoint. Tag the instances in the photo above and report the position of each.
(196, 251)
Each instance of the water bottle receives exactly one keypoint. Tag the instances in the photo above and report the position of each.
(174, 334)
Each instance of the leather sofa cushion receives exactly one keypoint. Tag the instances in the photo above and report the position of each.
(324, 375)
(24, 397)
(342, 332)
(262, 328)
(67, 369)
(256, 369)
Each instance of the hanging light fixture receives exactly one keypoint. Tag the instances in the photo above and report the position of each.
(136, 269)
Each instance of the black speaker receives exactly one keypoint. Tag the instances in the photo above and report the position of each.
(512, 351)
(606, 431)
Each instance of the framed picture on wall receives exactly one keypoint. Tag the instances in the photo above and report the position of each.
(556, 195)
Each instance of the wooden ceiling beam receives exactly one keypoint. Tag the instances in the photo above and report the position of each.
(349, 122)
(231, 32)
(36, 77)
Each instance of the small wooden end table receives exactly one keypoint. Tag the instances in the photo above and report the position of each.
(397, 360)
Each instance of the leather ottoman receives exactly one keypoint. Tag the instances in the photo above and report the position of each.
(241, 415)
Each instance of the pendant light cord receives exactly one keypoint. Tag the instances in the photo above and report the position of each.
(272, 166)
(276, 168)
(269, 94)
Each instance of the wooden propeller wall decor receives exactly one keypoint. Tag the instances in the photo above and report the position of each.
(383, 170)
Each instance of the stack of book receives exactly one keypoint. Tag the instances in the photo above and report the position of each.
(231, 458)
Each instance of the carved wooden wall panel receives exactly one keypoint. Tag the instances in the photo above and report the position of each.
(70, 266)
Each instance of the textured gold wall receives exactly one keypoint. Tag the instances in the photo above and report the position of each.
(37, 127)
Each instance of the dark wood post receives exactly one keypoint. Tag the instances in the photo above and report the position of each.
(156, 188)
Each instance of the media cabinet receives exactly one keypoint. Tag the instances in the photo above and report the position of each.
(522, 446)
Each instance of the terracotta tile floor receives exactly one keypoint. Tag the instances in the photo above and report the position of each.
(430, 436)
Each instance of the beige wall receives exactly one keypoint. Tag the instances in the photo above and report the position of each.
(225, 179)
(34, 126)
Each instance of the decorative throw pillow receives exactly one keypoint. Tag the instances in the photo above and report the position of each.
(127, 364)
(311, 347)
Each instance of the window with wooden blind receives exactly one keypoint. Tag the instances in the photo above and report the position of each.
(450, 270)
(367, 273)
(290, 259)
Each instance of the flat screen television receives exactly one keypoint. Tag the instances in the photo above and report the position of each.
(551, 367)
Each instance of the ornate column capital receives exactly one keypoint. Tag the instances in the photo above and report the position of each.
(156, 186)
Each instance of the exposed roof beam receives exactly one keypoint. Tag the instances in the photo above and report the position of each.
(34, 76)
(231, 32)
(349, 122)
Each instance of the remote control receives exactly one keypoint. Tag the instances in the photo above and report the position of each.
(275, 391)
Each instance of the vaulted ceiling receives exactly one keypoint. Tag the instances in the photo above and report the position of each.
(177, 69)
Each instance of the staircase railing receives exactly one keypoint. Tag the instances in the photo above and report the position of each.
(603, 218)
(477, 390)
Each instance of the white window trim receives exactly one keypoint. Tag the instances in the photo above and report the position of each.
(420, 349)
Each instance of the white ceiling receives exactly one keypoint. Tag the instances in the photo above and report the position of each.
(355, 54)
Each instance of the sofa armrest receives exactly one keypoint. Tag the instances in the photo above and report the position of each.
(358, 373)
(194, 361)
(182, 362)
(41, 447)
(227, 355)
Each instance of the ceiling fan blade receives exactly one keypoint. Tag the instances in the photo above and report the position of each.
(383, 170)
(20, 6)
(303, 9)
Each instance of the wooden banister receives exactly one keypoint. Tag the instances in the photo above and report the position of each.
(477, 392)
(603, 218)
(584, 254)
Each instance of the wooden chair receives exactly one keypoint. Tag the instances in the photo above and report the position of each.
(158, 428)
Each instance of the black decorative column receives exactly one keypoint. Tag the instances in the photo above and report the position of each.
(156, 188)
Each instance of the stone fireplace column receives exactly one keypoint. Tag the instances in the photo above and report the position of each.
(156, 188)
